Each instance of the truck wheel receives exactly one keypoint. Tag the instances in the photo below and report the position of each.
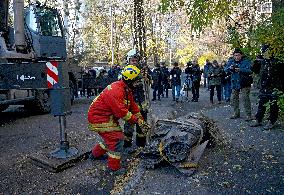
(3, 107)
(41, 103)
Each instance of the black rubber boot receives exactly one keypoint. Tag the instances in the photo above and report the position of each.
(141, 141)
(127, 144)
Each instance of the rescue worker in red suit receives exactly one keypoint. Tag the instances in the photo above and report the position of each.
(115, 102)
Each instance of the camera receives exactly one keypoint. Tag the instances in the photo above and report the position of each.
(234, 67)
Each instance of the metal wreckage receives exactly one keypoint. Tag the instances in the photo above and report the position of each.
(179, 142)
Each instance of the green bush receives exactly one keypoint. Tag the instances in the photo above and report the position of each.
(280, 103)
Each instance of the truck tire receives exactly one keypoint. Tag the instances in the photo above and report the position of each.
(43, 101)
(41, 104)
(3, 107)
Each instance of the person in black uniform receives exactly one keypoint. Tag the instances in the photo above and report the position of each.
(271, 71)
(165, 79)
(175, 75)
(157, 76)
(133, 58)
(195, 78)
(188, 72)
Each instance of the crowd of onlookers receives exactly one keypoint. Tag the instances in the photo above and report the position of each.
(214, 78)
(227, 80)
(93, 80)
(162, 79)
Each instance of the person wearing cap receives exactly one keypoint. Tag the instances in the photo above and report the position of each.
(115, 102)
(270, 74)
(207, 66)
(195, 78)
(227, 81)
(157, 77)
(175, 75)
(165, 79)
(241, 80)
(215, 74)
(188, 73)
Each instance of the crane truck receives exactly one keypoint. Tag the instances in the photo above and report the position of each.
(31, 47)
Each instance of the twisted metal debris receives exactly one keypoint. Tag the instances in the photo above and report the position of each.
(177, 142)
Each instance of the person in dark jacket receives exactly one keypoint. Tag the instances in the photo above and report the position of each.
(271, 71)
(157, 77)
(207, 66)
(93, 73)
(165, 79)
(241, 80)
(175, 76)
(226, 82)
(87, 83)
(195, 78)
(256, 66)
(102, 80)
(215, 74)
(134, 58)
(114, 71)
(187, 72)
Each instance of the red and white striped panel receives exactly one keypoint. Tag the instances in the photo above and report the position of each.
(52, 73)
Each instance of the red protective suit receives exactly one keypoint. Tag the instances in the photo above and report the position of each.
(115, 102)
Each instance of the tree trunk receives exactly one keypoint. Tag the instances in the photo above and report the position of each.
(139, 29)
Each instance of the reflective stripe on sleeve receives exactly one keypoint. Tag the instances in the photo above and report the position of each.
(109, 87)
(126, 102)
(128, 116)
(145, 105)
(139, 115)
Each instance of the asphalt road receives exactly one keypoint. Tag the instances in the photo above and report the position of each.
(251, 161)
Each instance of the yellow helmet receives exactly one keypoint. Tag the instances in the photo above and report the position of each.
(130, 72)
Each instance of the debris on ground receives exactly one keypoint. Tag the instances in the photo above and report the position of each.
(177, 142)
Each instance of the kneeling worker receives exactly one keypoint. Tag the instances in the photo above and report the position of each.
(115, 102)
